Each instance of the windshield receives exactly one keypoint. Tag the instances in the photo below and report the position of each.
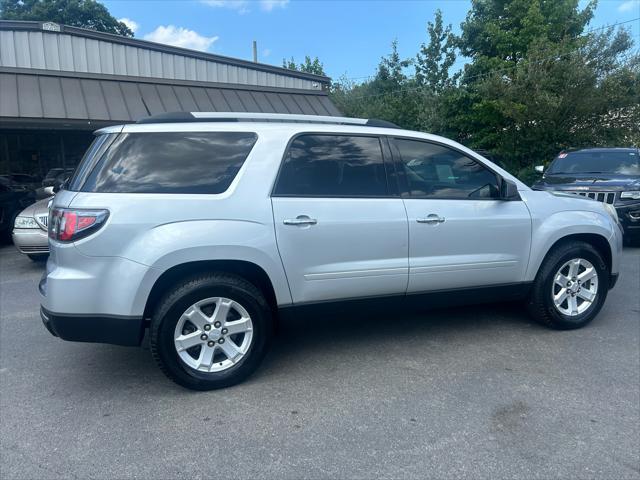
(622, 163)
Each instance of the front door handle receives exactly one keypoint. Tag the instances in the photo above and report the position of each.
(432, 219)
(300, 220)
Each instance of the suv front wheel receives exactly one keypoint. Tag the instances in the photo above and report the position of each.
(211, 331)
(571, 286)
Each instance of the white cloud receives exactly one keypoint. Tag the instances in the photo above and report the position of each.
(180, 37)
(133, 26)
(269, 5)
(266, 52)
(629, 5)
(242, 6)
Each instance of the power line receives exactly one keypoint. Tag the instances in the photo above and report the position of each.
(486, 74)
(585, 34)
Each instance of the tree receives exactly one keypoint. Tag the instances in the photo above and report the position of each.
(309, 66)
(77, 13)
(434, 60)
(537, 83)
(558, 99)
(390, 95)
(497, 34)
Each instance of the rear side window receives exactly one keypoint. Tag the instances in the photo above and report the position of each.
(163, 162)
(318, 165)
(91, 157)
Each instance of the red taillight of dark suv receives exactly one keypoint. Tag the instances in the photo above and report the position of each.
(67, 225)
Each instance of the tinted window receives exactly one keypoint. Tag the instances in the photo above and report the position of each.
(440, 172)
(622, 163)
(89, 160)
(185, 162)
(333, 165)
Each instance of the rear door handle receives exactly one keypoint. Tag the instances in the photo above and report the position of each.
(432, 219)
(300, 220)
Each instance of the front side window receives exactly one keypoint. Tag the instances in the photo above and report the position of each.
(171, 162)
(435, 171)
(317, 165)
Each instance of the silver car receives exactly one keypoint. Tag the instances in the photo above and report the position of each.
(204, 228)
(30, 230)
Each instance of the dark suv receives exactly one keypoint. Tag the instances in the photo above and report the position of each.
(610, 175)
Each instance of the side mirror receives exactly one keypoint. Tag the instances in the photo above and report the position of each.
(539, 168)
(49, 191)
(509, 190)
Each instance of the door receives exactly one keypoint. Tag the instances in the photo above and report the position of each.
(461, 234)
(341, 231)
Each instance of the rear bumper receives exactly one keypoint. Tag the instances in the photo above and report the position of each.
(77, 285)
(116, 330)
(31, 241)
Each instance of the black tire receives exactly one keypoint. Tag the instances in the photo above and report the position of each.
(541, 305)
(38, 258)
(632, 240)
(190, 291)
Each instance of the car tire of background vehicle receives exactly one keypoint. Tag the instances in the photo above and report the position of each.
(6, 235)
(38, 258)
(541, 303)
(174, 306)
(632, 240)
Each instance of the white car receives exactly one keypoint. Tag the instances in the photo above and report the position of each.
(204, 228)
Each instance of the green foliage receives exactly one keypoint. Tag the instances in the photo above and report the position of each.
(497, 34)
(77, 13)
(435, 59)
(389, 95)
(536, 83)
(309, 66)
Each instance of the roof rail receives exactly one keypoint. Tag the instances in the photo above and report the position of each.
(183, 117)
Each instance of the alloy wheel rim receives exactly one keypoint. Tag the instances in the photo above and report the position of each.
(575, 287)
(213, 334)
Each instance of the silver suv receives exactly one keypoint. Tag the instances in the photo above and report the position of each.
(205, 228)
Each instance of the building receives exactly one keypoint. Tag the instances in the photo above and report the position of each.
(59, 83)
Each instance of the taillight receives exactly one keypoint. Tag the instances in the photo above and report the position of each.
(67, 225)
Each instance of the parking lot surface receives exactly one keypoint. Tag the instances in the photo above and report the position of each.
(477, 392)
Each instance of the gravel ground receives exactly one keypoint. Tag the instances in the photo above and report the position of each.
(477, 392)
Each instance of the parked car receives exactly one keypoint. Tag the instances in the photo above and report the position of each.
(30, 230)
(610, 175)
(12, 201)
(204, 228)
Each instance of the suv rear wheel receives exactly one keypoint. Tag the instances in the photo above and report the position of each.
(211, 331)
(571, 286)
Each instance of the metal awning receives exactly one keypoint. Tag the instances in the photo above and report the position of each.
(66, 99)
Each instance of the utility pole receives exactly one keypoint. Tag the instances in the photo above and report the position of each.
(255, 51)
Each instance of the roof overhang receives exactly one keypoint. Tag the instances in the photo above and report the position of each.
(69, 100)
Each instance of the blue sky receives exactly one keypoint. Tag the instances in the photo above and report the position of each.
(349, 37)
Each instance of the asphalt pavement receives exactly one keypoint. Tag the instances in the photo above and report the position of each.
(475, 392)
